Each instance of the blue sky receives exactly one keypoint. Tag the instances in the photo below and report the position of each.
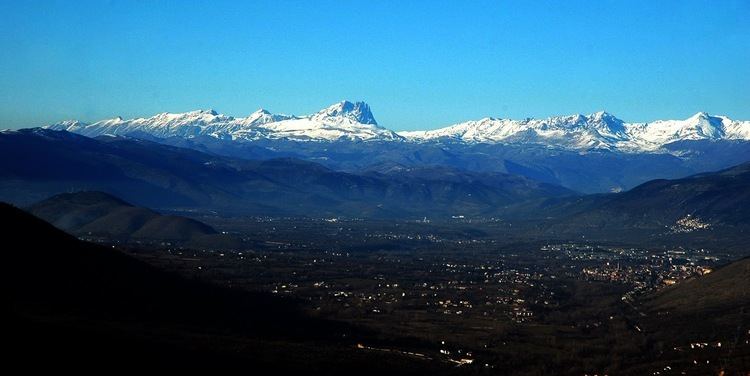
(420, 64)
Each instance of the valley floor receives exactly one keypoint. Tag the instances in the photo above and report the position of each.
(456, 295)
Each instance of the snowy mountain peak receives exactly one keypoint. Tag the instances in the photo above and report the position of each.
(357, 111)
(261, 111)
(604, 116)
(263, 116)
(601, 113)
(606, 124)
(577, 118)
(344, 120)
(708, 126)
(700, 116)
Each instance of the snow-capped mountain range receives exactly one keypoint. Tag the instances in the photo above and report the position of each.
(343, 120)
(354, 121)
(599, 130)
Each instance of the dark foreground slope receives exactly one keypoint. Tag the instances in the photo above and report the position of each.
(77, 306)
(713, 307)
(98, 214)
(701, 325)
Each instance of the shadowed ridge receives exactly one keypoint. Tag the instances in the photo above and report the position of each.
(100, 214)
(81, 306)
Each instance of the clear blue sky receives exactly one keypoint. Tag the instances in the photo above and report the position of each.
(420, 64)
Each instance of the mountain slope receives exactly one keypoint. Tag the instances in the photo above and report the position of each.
(719, 198)
(589, 172)
(103, 215)
(701, 204)
(42, 162)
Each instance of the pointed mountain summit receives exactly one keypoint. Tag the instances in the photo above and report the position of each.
(209, 111)
(261, 112)
(607, 124)
(263, 116)
(707, 125)
(356, 111)
(604, 117)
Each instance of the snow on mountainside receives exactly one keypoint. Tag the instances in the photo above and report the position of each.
(595, 131)
(600, 130)
(354, 121)
(343, 120)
